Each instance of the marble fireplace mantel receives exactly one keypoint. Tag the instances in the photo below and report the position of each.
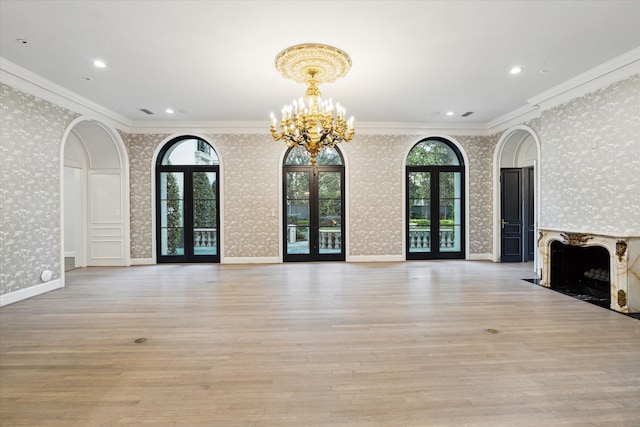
(624, 265)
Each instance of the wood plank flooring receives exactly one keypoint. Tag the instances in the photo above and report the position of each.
(321, 344)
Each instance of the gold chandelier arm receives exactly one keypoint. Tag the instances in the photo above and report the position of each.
(274, 133)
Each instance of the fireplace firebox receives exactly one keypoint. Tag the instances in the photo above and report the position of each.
(582, 272)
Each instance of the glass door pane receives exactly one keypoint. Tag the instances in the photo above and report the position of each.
(172, 213)
(329, 213)
(297, 205)
(450, 212)
(419, 212)
(205, 233)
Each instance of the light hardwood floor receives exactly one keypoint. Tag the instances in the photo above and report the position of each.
(324, 344)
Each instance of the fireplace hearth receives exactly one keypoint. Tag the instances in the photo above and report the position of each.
(600, 269)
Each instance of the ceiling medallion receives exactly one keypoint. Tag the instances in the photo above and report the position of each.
(310, 121)
(325, 63)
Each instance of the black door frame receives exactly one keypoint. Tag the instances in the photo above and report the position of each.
(314, 214)
(521, 228)
(530, 212)
(188, 171)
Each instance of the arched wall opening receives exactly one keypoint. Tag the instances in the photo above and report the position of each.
(518, 149)
(94, 196)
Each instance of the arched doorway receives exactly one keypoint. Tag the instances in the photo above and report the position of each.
(313, 206)
(187, 203)
(74, 202)
(95, 196)
(435, 200)
(516, 195)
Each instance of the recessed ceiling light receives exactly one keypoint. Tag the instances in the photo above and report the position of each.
(169, 111)
(449, 113)
(23, 41)
(516, 70)
(100, 64)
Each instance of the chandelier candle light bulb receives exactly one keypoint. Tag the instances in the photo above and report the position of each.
(313, 125)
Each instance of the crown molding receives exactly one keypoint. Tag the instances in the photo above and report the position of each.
(33, 84)
(408, 128)
(619, 68)
(515, 117)
(203, 127)
(262, 128)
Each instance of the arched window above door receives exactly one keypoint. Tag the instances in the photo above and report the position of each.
(298, 156)
(188, 151)
(434, 152)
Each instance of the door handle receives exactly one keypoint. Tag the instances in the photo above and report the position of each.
(503, 222)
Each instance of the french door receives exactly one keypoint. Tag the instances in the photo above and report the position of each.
(313, 205)
(435, 205)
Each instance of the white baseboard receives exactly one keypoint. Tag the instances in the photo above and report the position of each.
(375, 258)
(277, 260)
(250, 260)
(142, 261)
(480, 257)
(32, 291)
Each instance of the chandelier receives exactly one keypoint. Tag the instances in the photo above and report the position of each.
(311, 122)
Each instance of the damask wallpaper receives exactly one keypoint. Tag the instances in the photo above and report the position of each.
(140, 149)
(251, 186)
(375, 174)
(249, 193)
(590, 161)
(589, 170)
(376, 171)
(30, 141)
(479, 150)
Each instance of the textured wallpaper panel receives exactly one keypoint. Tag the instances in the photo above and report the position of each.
(140, 149)
(250, 171)
(251, 193)
(479, 150)
(30, 141)
(375, 169)
(590, 161)
(251, 187)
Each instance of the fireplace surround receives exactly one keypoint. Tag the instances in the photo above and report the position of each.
(623, 268)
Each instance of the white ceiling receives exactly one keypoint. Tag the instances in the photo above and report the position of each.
(412, 61)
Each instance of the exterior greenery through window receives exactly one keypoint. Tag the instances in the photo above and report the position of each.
(174, 215)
